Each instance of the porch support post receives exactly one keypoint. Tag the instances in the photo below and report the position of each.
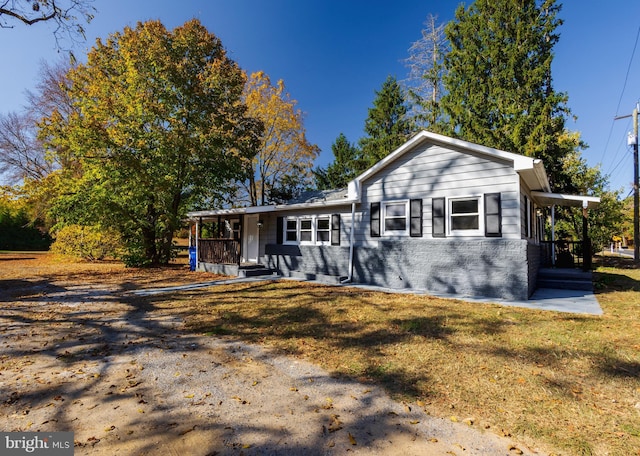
(197, 245)
(241, 236)
(586, 242)
(553, 235)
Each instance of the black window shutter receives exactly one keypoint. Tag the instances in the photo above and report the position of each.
(335, 229)
(438, 217)
(280, 230)
(415, 215)
(492, 215)
(375, 219)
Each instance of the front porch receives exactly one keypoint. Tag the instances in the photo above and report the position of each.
(228, 244)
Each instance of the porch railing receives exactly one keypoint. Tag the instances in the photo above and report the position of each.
(567, 254)
(219, 251)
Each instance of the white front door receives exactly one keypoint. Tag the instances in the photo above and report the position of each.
(252, 239)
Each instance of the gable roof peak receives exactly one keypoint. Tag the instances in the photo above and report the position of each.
(536, 176)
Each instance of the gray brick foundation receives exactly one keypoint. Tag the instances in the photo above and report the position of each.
(494, 268)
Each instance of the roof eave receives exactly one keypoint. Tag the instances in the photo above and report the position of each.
(559, 199)
(266, 209)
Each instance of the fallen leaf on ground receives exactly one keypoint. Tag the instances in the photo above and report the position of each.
(335, 424)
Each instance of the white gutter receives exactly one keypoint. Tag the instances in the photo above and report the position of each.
(274, 208)
(351, 240)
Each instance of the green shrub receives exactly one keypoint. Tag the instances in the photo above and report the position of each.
(87, 242)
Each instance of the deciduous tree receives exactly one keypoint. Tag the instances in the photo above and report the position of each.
(607, 219)
(424, 84)
(159, 122)
(21, 153)
(284, 157)
(23, 159)
(68, 16)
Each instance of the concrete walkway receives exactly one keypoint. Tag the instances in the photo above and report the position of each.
(572, 301)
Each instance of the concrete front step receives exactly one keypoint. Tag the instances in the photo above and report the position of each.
(565, 279)
(560, 284)
(255, 272)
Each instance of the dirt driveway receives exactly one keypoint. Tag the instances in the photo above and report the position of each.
(93, 357)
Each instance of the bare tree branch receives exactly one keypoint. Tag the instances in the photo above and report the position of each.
(68, 15)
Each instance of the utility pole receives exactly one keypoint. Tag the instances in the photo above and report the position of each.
(636, 234)
(633, 141)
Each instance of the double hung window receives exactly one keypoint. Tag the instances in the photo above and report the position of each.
(320, 230)
(467, 216)
(306, 231)
(323, 230)
(291, 234)
(396, 218)
(464, 215)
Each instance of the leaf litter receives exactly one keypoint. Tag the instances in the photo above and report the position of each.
(121, 374)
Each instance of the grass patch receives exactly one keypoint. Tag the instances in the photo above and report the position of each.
(567, 382)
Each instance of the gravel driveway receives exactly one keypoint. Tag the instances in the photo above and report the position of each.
(127, 378)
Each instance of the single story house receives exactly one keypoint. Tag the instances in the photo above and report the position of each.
(438, 214)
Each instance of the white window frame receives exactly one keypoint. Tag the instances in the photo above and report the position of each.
(311, 230)
(383, 218)
(480, 214)
(285, 239)
(327, 230)
(299, 219)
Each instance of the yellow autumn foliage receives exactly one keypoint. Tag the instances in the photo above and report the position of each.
(284, 151)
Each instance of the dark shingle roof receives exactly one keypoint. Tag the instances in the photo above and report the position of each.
(315, 196)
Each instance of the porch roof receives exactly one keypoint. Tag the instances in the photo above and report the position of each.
(313, 201)
(558, 199)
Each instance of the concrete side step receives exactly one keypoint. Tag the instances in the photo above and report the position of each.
(564, 274)
(564, 284)
(255, 272)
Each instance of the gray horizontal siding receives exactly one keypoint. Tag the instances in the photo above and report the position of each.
(433, 171)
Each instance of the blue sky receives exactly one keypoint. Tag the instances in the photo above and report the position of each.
(333, 55)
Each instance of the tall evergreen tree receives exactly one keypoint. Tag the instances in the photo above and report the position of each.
(345, 166)
(498, 81)
(388, 124)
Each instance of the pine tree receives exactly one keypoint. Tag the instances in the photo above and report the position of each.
(345, 166)
(388, 124)
(498, 81)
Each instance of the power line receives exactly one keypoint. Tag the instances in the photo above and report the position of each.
(620, 146)
(624, 87)
(626, 78)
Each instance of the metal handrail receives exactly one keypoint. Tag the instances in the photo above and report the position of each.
(562, 254)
